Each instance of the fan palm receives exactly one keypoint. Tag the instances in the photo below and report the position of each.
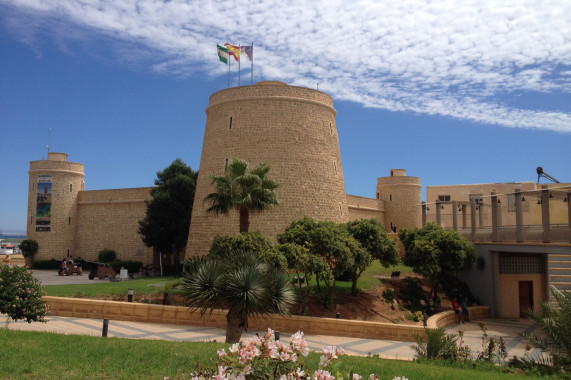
(245, 285)
(243, 188)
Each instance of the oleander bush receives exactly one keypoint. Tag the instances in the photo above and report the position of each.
(21, 295)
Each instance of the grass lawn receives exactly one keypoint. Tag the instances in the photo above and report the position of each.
(143, 285)
(153, 285)
(34, 355)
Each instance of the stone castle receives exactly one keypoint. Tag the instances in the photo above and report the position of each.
(291, 128)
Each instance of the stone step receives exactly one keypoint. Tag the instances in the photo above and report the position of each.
(559, 257)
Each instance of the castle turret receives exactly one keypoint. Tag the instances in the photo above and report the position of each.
(291, 128)
(53, 187)
(402, 197)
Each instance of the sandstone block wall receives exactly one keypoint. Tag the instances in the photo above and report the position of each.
(110, 219)
(365, 208)
(293, 129)
(67, 181)
(401, 196)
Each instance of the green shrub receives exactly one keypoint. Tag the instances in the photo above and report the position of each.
(438, 345)
(416, 316)
(45, 264)
(413, 295)
(107, 255)
(389, 295)
(21, 295)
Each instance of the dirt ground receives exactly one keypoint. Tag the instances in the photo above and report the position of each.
(369, 305)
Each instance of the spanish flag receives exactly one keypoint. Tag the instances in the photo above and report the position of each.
(233, 50)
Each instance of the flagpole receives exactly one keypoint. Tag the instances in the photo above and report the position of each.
(229, 60)
(252, 69)
(239, 50)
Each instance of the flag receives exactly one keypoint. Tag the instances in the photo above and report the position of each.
(222, 54)
(248, 51)
(233, 50)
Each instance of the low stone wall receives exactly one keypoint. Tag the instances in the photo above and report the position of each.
(179, 315)
(448, 317)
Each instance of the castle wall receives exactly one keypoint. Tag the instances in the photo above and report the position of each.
(365, 208)
(110, 219)
(291, 128)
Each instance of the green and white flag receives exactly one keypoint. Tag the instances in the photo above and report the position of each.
(222, 54)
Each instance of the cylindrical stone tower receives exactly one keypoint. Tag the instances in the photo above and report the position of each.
(291, 128)
(402, 197)
(53, 188)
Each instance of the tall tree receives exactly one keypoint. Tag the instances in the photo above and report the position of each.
(167, 219)
(436, 253)
(246, 287)
(243, 188)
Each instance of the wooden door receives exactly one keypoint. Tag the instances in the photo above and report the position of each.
(525, 297)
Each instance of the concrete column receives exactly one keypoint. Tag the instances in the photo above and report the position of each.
(438, 213)
(494, 204)
(481, 215)
(465, 217)
(545, 214)
(518, 216)
(423, 214)
(473, 218)
(455, 215)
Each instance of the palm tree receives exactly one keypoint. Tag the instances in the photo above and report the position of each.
(244, 285)
(243, 188)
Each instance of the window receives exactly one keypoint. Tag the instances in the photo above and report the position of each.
(69, 220)
(444, 198)
(521, 264)
(70, 187)
(335, 167)
(390, 197)
(225, 165)
(340, 210)
(230, 123)
(378, 195)
(331, 129)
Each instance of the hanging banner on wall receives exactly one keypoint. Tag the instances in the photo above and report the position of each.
(44, 203)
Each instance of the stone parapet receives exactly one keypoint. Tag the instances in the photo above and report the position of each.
(179, 315)
(448, 317)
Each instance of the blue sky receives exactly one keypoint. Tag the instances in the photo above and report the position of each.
(454, 92)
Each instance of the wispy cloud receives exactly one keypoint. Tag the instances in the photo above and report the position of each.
(466, 60)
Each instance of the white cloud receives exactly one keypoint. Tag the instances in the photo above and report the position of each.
(454, 59)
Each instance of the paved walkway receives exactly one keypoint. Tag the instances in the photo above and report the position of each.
(508, 329)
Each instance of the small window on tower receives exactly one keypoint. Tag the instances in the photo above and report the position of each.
(390, 197)
(70, 187)
(230, 123)
(69, 220)
(378, 196)
(340, 210)
(331, 129)
(335, 167)
(225, 165)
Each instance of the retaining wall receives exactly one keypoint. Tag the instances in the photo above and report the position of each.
(448, 317)
(179, 315)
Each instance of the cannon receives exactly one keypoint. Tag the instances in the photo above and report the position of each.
(100, 270)
(67, 267)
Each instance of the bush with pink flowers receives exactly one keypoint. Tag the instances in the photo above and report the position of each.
(267, 358)
(21, 295)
